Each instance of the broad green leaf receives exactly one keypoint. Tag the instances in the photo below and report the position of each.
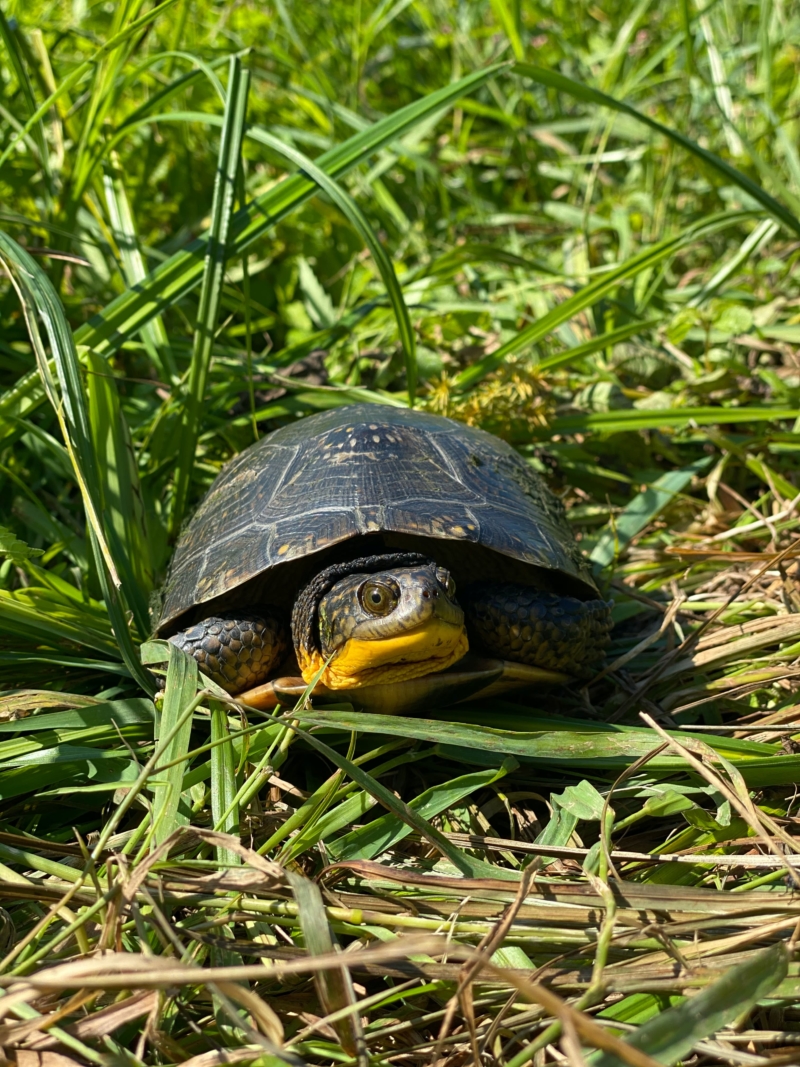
(560, 827)
(581, 800)
(668, 803)
(12, 548)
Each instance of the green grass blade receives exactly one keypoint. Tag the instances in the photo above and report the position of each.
(356, 217)
(20, 660)
(478, 252)
(384, 832)
(31, 615)
(644, 507)
(213, 279)
(39, 300)
(505, 16)
(334, 988)
(595, 344)
(122, 712)
(553, 80)
(686, 26)
(224, 809)
(655, 418)
(496, 213)
(761, 235)
(639, 1007)
(8, 37)
(594, 291)
(560, 826)
(100, 100)
(77, 74)
(125, 316)
(184, 270)
(569, 741)
(461, 861)
(670, 1036)
(123, 509)
(722, 92)
(181, 686)
(154, 333)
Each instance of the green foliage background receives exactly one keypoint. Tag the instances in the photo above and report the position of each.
(575, 225)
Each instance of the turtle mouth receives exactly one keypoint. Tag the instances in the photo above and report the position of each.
(389, 619)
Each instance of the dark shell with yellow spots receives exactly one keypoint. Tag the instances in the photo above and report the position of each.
(373, 470)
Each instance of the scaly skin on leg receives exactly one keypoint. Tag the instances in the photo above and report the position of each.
(236, 651)
(558, 633)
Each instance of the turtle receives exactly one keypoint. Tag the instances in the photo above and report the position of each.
(385, 555)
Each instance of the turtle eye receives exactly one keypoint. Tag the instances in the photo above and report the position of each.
(377, 598)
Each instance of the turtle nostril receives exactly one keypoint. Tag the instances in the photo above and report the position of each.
(426, 594)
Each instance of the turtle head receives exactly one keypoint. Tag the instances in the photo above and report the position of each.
(379, 620)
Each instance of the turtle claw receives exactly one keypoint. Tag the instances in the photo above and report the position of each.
(261, 697)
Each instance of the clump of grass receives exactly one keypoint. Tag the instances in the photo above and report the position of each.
(221, 219)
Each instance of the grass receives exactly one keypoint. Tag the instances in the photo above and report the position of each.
(574, 226)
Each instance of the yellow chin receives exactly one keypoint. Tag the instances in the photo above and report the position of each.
(423, 650)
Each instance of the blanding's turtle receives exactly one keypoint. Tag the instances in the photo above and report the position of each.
(341, 540)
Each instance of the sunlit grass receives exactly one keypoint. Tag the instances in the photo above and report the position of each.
(575, 227)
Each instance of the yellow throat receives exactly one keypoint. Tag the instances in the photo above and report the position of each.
(433, 646)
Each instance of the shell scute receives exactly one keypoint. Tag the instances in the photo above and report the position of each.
(326, 478)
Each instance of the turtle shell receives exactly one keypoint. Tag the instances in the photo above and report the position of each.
(366, 470)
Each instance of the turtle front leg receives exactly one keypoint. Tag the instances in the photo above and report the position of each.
(237, 651)
(558, 633)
